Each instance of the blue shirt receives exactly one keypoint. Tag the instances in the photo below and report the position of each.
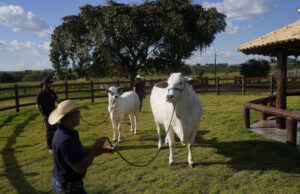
(47, 101)
(67, 151)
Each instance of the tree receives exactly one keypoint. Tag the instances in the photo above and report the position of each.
(7, 78)
(155, 34)
(255, 68)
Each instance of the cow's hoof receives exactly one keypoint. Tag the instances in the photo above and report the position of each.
(192, 165)
(135, 133)
(172, 164)
(131, 130)
(114, 140)
(119, 140)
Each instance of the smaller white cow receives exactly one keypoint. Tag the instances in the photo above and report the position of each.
(177, 93)
(122, 106)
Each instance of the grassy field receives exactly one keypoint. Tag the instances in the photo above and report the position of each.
(229, 158)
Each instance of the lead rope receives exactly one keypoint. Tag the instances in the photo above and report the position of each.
(90, 124)
(143, 165)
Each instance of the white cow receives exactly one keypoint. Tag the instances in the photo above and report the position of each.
(178, 93)
(122, 106)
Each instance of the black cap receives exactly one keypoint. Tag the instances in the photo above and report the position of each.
(47, 79)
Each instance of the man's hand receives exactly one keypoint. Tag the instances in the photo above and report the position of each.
(45, 118)
(98, 145)
(110, 149)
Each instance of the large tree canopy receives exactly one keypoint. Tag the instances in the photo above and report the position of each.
(155, 34)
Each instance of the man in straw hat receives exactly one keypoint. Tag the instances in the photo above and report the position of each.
(139, 88)
(71, 159)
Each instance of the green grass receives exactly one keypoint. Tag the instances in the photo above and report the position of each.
(229, 158)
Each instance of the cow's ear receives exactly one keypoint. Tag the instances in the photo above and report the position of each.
(162, 84)
(192, 81)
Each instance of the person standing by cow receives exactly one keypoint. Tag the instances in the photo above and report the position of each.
(139, 88)
(71, 159)
(45, 104)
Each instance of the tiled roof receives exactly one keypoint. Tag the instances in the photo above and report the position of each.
(286, 38)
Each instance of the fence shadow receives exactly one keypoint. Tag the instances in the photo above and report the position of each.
(12, 170)
(254, 155)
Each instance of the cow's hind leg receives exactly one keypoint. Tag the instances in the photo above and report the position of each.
(131, 121)
(135, 122)
(190, 145)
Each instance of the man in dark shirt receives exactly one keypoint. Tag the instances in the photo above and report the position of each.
(71, 159)
(45, 104)
(139, 88)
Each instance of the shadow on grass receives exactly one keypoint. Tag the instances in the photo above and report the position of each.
(12, 169)
(254, 155)
(7, 120)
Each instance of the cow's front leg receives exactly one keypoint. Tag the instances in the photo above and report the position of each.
(160, 143)
(171, 141)
(120, 128)
(113, 122)
(190, 156)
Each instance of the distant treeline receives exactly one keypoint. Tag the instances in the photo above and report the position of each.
(24, 76)
(198, 70)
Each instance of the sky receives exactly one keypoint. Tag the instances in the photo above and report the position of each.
(26, 27)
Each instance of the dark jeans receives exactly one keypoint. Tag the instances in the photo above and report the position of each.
(50, 129)
(60, 189)
(141, 96)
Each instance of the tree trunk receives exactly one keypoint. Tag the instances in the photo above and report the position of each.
(132, 78)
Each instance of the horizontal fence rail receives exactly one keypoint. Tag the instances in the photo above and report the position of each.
(266, 107)
(96, 89)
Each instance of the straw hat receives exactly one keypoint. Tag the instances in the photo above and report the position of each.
(139, 77)
(62, 109)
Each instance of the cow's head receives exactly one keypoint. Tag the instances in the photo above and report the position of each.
(175, 86)
(113, 93)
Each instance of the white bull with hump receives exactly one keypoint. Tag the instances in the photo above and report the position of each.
(179, 93)
(122, 106)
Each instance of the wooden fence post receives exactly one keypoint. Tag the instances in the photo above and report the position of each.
(291, 127)
(92, 91)
(17, 98)
(66, 89)
(118, 83)
(243, 85)
(246, 117)
(271, 85)
(263, 116)
(217, 85)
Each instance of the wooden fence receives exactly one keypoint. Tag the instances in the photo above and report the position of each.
(93, 90)
(266, 107)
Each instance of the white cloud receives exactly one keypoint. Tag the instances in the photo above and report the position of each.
(15, 17)
(24, 47)
(230, 28)
(242, 10)
(230, 57)
(39, 64)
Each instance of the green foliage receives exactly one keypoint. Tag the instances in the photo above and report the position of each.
(7, 78)
(36, 76)
(120, 39)
(255, 68)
